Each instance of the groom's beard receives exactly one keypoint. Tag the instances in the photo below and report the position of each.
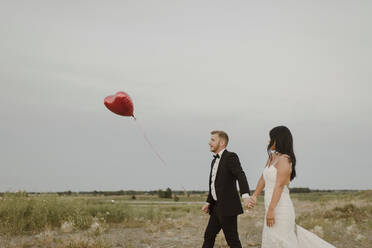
(214, 149)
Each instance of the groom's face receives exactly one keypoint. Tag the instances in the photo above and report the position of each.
(215, 143)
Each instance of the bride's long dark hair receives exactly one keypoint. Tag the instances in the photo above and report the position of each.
(282, 138)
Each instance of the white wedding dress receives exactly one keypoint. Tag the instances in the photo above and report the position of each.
(285, 233)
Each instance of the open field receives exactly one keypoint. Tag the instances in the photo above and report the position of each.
(342, 218)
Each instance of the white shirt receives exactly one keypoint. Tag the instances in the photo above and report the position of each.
(214, 173)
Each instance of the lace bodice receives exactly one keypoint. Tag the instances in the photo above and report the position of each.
(269, 175)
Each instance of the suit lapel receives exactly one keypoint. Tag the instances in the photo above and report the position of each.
(221, 163)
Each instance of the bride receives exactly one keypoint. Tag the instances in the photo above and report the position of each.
(280, 230)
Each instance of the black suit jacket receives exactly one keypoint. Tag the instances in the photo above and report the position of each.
(229, 171)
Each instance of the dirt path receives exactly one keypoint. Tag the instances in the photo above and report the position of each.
(186, 231)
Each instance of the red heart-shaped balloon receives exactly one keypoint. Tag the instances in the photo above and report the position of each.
(120, 104)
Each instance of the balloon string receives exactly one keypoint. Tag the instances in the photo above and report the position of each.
(149, 142)
(152, 146)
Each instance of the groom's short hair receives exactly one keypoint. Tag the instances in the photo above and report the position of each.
(223, 135)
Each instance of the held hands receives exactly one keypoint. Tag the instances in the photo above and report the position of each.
(205, 208)
(246, 202)
(250, 202)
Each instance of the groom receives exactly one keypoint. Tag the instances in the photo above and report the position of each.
(223, 203)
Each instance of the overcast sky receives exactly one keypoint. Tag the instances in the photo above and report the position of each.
(190, 67)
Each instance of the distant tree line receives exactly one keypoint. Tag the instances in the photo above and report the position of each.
(300, 190)
(167, 193)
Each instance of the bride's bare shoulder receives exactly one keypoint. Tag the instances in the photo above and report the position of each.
(285, 158)
(284, 162)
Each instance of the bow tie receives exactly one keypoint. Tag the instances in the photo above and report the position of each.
(216, 156)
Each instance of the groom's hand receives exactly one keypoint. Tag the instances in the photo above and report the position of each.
(246, 202)
(205, 208)
(252, 202)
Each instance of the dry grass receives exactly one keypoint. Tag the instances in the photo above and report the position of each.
(342, 218)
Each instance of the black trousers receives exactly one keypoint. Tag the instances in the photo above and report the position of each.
(229, 226)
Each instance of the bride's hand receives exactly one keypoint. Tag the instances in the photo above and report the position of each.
(252, 202)
(270, 218)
